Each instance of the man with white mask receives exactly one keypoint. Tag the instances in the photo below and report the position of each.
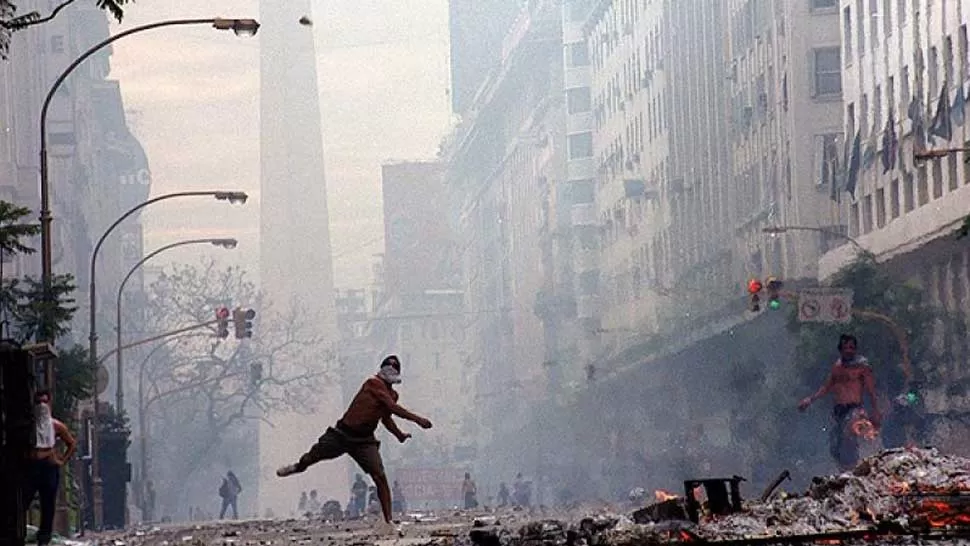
(376, 402)
(44, 468)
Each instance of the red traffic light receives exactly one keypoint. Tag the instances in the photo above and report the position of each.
(222, 313)
(754, 286)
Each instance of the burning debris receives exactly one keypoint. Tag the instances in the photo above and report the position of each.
(890, 497)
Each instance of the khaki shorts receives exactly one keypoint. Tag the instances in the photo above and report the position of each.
(365, 451)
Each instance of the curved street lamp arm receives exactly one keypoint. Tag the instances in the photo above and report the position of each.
(141, 262)
(94, 49)
(135, 209)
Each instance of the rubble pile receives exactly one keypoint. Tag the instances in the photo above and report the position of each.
(885, 500)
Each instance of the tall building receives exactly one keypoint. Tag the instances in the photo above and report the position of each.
(905, 72)
(98, 171)
(502, 173)
(785, 130)
(476, 32)
(295, 253)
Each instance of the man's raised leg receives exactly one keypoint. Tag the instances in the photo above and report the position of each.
(329, 446)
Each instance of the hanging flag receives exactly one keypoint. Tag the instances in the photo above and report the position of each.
(958, 113)
(835, 168)
(890, 143)
(919, 127)
(869, 151)
(852, 174)
(942, 125)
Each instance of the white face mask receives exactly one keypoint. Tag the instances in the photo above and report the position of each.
(389, 374)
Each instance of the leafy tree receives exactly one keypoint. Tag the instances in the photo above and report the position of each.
(205, 389)
(11, 22)
(22, 301)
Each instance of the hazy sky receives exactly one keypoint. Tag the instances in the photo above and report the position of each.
(192, 94)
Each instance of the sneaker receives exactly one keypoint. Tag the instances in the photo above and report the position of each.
(287, 470)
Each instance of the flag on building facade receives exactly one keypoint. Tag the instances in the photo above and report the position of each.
(942, 124)
(890, 144)
(855, 160)
(958, 113)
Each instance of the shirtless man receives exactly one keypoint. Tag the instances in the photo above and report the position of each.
(376, 402)
(44, 468)
(851, 376)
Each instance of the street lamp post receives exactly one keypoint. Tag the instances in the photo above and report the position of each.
(241, 27)
(229, 196)
(775, 230)
(120, 391)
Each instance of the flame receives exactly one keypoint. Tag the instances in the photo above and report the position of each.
(940, 513)
(863, 428)
(664, 496)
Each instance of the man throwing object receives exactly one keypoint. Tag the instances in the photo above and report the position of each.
(376, 402)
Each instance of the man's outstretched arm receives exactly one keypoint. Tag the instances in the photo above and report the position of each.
(392, 427)
(400, 411)
(822, 391)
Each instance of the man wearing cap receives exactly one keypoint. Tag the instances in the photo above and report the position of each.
(376, 402)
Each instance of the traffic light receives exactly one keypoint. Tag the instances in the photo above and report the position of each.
(774, 293)
(754, 288)
(222, 327)
(243, 321)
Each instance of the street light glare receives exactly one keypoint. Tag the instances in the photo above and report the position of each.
(233, 197)
(240, 27)
(225, 243)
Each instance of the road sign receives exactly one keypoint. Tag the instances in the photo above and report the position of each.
(825, 305)
(101, 379)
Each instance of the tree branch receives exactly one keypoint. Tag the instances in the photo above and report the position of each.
(33, 18)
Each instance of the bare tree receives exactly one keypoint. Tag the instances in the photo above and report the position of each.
(207, 386)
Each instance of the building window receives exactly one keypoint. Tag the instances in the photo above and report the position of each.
(901, 12)
(873, 24)
(854, 219)
(860, 27)
(962, 47)
(905, 89)
(948, 60)
(894, 199)
(828, 73)
(578, 100)
(887, 17)
(908, 203)
(922, 188)
(880, 208)
(847, 34)
(577, 54)
(933, 71)
(867, 214)
(824, 4)
(57, 43)
(953, 182)
(937, 180)
(580, 145)
(582, 192)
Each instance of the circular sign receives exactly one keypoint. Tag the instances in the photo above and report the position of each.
(809, 309)
(101, 379)
(839, 309)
